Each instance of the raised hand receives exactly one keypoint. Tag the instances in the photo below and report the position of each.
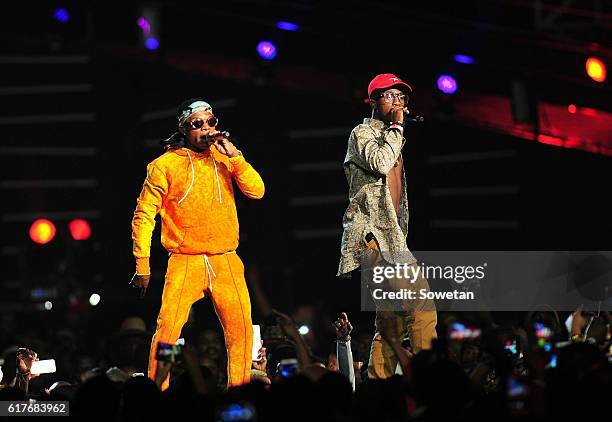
(343, 327)
(287, 325)
(224, 146)
(261, 364)
(25, 357)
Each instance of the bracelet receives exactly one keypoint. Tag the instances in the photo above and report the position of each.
(258, 373)
(576, 338)
(397, 123)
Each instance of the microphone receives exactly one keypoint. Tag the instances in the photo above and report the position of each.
(223, 134)
(416, 118)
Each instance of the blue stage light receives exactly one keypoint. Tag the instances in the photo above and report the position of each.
(152, 43)
(61, 15)
(266, 50)
(287, 26)
(447, 84)
(462, 58)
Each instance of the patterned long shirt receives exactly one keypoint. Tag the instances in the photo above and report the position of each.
(373, 149)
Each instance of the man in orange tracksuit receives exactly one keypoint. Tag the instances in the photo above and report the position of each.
(190, 186)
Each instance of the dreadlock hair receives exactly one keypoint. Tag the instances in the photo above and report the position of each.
(177, 139)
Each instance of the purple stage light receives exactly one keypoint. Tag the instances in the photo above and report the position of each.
(152, 43)
(266, 50)
(287, 26)
(61, 15)
(144, 24)
(447, 84)
(462, 58)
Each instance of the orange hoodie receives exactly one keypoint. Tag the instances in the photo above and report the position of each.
(194, 195)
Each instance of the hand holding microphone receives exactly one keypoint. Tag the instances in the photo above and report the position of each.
(397, 115)
(218, 134)
(403, 115)
(222, 143)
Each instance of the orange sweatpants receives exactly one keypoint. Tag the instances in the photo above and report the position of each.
(188, 278)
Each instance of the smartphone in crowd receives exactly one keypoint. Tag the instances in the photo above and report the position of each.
(511, 347)
(517, 392)
(43, 367)
(167, 352)
(288, 367)
(237, 412)
(544, 341)
(460, 331)
(257, 343)
(515, 387)
(543, 335)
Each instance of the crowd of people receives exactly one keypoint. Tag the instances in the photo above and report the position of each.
(544, 366)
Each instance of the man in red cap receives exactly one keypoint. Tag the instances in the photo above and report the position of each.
(376, 220)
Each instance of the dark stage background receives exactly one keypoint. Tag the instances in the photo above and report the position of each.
(84, 105)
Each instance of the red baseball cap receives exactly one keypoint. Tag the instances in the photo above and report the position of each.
(387, 80)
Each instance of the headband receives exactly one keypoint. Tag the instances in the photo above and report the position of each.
(191, 109)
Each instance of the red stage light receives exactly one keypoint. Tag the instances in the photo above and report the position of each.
(596, 69)
(571, 108)
(80, 229)
(42, 231)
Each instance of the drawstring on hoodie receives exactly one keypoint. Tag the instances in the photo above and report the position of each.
(193, 178)
(217, 176)
(209, 269)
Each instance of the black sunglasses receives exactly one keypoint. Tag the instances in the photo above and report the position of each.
(198, 123)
